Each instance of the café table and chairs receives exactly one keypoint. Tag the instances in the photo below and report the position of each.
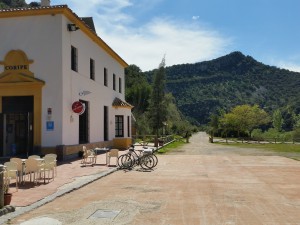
(34, 167)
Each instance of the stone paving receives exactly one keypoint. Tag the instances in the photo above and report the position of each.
(200, 183)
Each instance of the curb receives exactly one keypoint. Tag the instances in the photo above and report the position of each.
(52, 197)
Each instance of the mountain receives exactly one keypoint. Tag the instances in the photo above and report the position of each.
(202, 88)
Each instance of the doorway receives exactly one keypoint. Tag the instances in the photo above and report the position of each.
(16, 122)
(84, 124)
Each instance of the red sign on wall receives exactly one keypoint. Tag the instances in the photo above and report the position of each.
(78, 107)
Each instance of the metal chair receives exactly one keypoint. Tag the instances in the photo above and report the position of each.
(89, 156)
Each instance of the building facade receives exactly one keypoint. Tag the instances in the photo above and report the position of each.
(61, 85)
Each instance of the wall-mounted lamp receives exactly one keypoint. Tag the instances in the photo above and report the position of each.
(84, 93)
(72, 27)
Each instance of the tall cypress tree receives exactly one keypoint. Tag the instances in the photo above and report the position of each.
(158, 107)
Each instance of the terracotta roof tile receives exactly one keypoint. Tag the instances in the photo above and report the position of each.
(119, 103)
(32, 8)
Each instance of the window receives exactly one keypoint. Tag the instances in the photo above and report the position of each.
(92, 69)
(74, 59)
(105, 77)
(105, 127)
(128, 126)
(119, 123)
(120, 85)
(114, 82)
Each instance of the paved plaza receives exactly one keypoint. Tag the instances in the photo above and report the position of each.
(198, 184)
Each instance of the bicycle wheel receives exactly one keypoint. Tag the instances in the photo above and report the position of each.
(147, 162)
(155, 159)
(125, 161)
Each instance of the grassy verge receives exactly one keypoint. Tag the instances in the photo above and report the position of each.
(281, 149)
(171, 146)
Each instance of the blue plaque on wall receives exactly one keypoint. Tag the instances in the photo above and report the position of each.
(50, 125)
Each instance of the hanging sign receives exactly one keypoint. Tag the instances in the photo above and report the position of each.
(78, 107)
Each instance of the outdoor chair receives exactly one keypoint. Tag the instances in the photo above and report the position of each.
(89, 156)
(33, 167)
(113, 153)
(55, 160)
(48, 166)
(20, 167)
(12, 172)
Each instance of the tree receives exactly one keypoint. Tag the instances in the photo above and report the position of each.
(214, 124)
(34, 4)
(137, 90)
(227, 123)
(245, 118)
(157, 106)
(14, 3)
(277, 120)
(3, 6)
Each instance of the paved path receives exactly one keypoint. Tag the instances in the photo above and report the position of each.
(201, 183)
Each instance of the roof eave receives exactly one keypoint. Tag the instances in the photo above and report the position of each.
(63, 9)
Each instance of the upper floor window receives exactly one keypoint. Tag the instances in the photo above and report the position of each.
(105, 77)
(114, 82)
(120, 85)
(74, 58)
(92, 69)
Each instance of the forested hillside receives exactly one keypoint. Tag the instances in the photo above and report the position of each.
(201, 89)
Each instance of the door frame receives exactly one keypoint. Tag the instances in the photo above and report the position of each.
(27, 89)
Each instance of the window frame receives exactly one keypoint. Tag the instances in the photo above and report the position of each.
(114, 82)
(119, 126)
(92, 69)
(120, 85)
(74, 58)
(105, 77)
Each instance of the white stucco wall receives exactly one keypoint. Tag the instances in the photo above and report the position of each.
(77, 82)
(46, 40)
(40, 38)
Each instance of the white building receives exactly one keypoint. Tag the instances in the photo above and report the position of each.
(61, 86)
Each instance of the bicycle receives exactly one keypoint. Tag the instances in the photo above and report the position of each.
(146, 159)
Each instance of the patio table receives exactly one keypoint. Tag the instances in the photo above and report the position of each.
(102, 149)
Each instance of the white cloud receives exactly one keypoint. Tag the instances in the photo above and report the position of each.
(182, 43)
(290, 66)
(195, 17)
(145, 45)
(292, 62)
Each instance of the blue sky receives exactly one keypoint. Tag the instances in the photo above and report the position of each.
(189, 31)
